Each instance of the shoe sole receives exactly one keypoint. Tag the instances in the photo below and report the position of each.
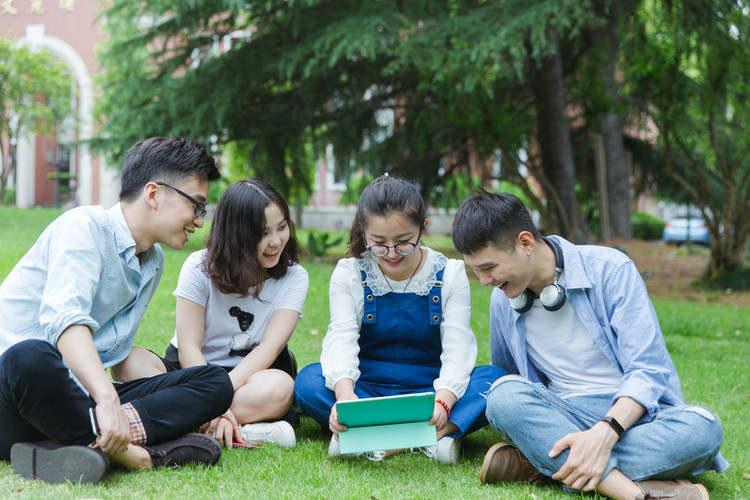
(686, 482)
(77, 464)
(213, 458)
(486, 463)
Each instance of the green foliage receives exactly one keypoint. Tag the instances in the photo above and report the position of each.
(392, 86)
(10, 196)
(687, 64)
(319, 242)
(735, 279)
(452, 190)
(354, 187)
(646, 226)
(34, 98)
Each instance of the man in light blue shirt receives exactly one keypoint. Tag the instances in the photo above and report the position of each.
(71, 308)
(593, 399)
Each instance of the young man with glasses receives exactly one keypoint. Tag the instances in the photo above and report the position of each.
(71, 308)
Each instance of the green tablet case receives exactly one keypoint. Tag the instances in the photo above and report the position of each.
(386, 423)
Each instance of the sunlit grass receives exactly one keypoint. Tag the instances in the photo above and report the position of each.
(710, 345)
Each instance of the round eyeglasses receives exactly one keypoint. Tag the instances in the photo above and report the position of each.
(403, 249)
(200, 208)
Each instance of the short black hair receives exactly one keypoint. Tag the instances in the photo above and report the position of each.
(384, 196)
(173, 160)
(490, 218)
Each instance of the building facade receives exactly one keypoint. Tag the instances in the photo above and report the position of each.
(69, 30)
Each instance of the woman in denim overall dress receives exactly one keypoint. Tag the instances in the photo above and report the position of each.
(400, 317)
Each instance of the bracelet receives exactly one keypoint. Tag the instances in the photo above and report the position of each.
(447, 410)
(615, 426)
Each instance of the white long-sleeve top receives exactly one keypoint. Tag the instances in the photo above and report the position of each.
(339, 357)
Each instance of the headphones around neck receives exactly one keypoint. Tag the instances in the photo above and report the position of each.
(552, 296)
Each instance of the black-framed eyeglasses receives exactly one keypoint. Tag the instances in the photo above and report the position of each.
(404, 249)
(200, 208)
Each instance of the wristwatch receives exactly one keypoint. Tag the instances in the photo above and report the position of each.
(615, 425)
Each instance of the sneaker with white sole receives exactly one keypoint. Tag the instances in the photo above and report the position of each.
(280, 433)
(373, 456)
(446, 451)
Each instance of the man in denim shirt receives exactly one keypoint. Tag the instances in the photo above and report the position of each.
(593, 399)
(70, 309)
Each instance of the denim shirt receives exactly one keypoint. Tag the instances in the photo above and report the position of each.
(81, 271)
(609, 296)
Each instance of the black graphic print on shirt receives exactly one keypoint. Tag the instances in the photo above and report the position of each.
(240, 344)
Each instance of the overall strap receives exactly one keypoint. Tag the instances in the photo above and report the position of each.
(370, 299)
(436, 299)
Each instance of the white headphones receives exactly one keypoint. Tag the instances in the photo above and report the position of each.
(552, 296)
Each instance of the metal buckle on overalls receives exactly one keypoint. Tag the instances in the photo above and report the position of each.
(438, 284)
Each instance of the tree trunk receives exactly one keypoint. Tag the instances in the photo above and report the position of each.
(610, 128)
(618, 178)
(9, 163)
(555, 146)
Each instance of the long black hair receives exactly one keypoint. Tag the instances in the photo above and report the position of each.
(231, 259)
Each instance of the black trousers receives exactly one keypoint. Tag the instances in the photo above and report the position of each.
(40, 401)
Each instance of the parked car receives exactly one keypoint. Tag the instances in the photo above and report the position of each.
(681, 229)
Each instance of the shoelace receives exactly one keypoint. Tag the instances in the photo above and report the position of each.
(429, 451)
(255, 435)
(373, 456)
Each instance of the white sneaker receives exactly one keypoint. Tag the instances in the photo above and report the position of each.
(445, 452)
(280, 433)
(333, 451)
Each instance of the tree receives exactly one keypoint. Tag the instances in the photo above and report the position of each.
(35, 96)
(689, 62)
(417, 88)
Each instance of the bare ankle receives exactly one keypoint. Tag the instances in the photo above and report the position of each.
(133, 458)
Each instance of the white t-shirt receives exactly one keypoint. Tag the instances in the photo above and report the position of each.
(561, 347)
(235, 323)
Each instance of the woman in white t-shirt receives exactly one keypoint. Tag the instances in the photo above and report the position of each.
(238, 302)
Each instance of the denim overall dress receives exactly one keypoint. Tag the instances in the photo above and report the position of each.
(400, 348)
(399, 341)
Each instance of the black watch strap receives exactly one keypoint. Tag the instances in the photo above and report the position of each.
(615, 426)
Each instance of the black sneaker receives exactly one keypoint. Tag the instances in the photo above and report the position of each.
(192, 448)
(54, 462)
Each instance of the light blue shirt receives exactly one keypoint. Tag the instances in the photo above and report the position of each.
(609, 296)
(81, 271)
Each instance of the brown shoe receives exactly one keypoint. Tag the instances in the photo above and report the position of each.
(504, 463)
(679, 489)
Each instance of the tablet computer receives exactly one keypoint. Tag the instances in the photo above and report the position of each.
(387, 423)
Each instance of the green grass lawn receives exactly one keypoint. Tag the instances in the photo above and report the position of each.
(710, 345)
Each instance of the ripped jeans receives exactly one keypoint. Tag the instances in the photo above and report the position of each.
(681, 440)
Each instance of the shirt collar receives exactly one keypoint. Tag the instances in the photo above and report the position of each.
(575, 273)
(123, 238)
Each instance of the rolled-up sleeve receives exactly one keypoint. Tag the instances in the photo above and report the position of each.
(641, 351)
(73, 278)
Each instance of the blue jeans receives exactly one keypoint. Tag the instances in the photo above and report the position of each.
(315, 400)
(680, 441)
(40, 401)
